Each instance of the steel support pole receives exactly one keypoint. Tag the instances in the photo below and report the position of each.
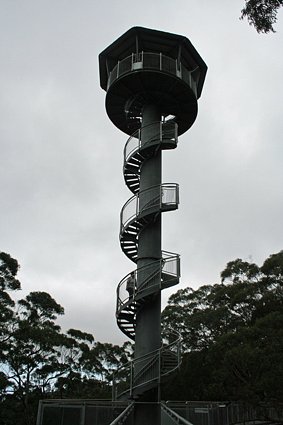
(148, 323)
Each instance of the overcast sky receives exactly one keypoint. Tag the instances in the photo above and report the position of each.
(61, 178)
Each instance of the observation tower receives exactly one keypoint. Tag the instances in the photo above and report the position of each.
(152, 80)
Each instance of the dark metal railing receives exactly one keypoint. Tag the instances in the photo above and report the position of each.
(226, 412)
(157, 62)
(124, 417)
(169, 417)
(156, 197)
(126, 380)
(168, 265)
(97, 412)
(164, 131)
(81, 411)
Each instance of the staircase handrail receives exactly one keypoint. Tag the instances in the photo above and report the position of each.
(176, 419)
(162, 191)
(135, 289)
(165, 128)
(142, 359)
(129, 366)
(168, 348)
(123, 416)
(176, 341)
(167, 257)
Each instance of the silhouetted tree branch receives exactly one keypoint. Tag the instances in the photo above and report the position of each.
(262, 14)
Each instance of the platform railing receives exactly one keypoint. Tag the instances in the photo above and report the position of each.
(157, 62)
(171, 264)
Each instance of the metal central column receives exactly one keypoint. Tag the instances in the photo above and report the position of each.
(149, 248)
(148, 321)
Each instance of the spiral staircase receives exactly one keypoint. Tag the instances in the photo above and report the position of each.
(139, 211)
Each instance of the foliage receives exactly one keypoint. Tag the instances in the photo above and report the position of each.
(262, 14)
(232, 334)
(8, 282)
(38, 360)
(29, 359)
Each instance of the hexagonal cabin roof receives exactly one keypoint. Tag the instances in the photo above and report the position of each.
(138, 39)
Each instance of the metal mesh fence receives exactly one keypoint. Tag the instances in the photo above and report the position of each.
(226, 413)
(78, 412)
(93, 412)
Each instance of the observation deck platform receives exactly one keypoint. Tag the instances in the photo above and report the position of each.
(145, 66)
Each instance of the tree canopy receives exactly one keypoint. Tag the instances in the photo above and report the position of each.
(38, 360)
(232, 334)
(262, 14)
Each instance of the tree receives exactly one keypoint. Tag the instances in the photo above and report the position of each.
(202, 315)
(262, 14)
(232, 334)
(103, 360)
(38, 360)
(30, 360)
(92, 367)
(9, 268)
(8, 282)
(72, 383)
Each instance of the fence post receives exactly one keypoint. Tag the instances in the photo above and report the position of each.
(159, 375)
(83, 414)
(113, 386)
(131, 379)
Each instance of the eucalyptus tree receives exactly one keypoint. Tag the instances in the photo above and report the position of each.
(9, 268)
(30, 359)
(262, 14)
(232, 334)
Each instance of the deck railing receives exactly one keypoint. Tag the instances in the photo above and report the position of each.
(157, 62)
